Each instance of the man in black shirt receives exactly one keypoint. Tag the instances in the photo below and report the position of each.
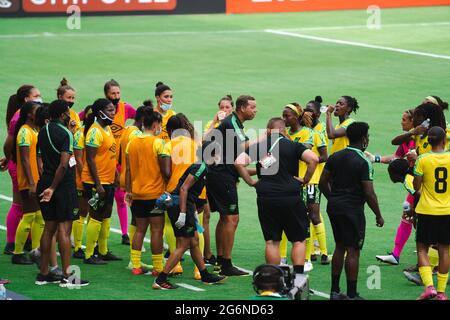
(57, 192)
(223, 177)
(347, 183)
(279, 191)
(184, 220)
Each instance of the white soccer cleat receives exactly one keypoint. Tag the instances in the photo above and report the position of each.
(283, 262)
(390, 259)
(308, 266)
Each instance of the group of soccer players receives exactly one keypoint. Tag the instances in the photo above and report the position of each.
(67, 169)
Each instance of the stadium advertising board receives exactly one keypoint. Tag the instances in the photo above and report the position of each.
(255, 6)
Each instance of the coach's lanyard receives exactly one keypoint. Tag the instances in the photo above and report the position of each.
(50, 140)
(269, 159)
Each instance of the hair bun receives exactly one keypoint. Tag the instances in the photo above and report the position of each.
(229, 96)
(445, 105)
(64, 82)
(159, 83)
(318, 99)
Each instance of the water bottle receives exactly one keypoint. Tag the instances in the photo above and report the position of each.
(426, 123)
(323, 109)
(2, 292)
(406, 206)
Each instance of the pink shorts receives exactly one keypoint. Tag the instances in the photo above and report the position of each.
(12, 169)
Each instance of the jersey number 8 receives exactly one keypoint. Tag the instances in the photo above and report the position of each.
(441, 175)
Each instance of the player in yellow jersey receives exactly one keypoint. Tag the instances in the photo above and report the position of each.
(98, 176)
(67, 93)
(25, 155)
(432, 178)
(343, 108)
(147, 172)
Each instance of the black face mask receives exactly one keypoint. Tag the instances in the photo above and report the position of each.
(70, 104)
(115, 101)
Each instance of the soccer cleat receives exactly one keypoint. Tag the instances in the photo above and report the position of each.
(217, 268)
(413, 268)
(109, 257)
(337, 296)
(79, 254)
(9, 248)
(140, 271)
(177, 270)
(27, 246)
(35, 256)
(389, 259)
(49, 278)
(57, 272)
(308, 266)
(72, 282)
(284, 261)
(428, 294)
(213, 279)
(155, 273)
(125, 239)
(441, 296)
(413, 277)
(166, 285)
(147, 267)
(211, 261)
(313, 257)
(197, 275)
(22, 259)
(4, 281)
(233, 272)
(324, 260)
(95, 261)
(357, 297)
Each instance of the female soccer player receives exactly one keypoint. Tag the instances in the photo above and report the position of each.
(343, 108)
(67, 93)
(24, 94)
(98, 176)
(226, 107)
(147, 172)
(25, 155)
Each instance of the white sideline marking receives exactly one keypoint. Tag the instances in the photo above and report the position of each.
(188, 286)
(357, 44)
(3, 197)
(320, 294)
(175, 33)
(2, 228)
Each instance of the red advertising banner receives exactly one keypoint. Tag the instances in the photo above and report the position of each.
(36, 6)
(253, 6)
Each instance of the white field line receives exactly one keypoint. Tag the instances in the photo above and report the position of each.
(188, 286)
(320, 294)
(357, 44)
(176, 33)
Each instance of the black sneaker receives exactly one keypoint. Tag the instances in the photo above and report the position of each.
(125, 240)
(414, 268)
(324, 260)
(73, 282)
(109, 257)
(95, 261)
(313, 257)
(217, 268)
(9, 248)
(21, 259)
(213, 279)
(27, 246)
(46, 279)
(79, 254)
(35, 256)
(167, 254)
(211, 261)
(337, 296)
(96, 253)
(164, 285)
(232, 272)
(357, 297)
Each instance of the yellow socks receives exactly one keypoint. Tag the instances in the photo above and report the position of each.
(201, 238)
(78, 230)
(433, 255)
(103, 236)
(37, 228)
(170, 235)
(309, 244)
(92, 235)
(442, 282)
(157, 262)
(136, 258)
(321, 237)
(283, 246)
(131, 233)
(426, 275)
(23, 229)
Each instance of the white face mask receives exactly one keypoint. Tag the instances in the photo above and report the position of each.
(105, 118)
(166, 107)
(38, 100)
(158, 132)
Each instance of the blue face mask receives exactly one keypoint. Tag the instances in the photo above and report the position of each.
(166, 107)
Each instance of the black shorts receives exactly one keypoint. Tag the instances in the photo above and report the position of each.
(312, 194)
(89, 191)
(200, 203)
(349, 229)
(280, 214)
(25, 194)
(433, 229)
(63, 206)
(188, 231)
(222, 193)
(143, 209)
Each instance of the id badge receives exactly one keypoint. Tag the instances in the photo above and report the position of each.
(267, 161)
(72, 161)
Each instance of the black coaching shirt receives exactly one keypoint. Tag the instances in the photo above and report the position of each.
(278, 180)
(232, 137)
(199, 172)
(53, 139)
(348, 169)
